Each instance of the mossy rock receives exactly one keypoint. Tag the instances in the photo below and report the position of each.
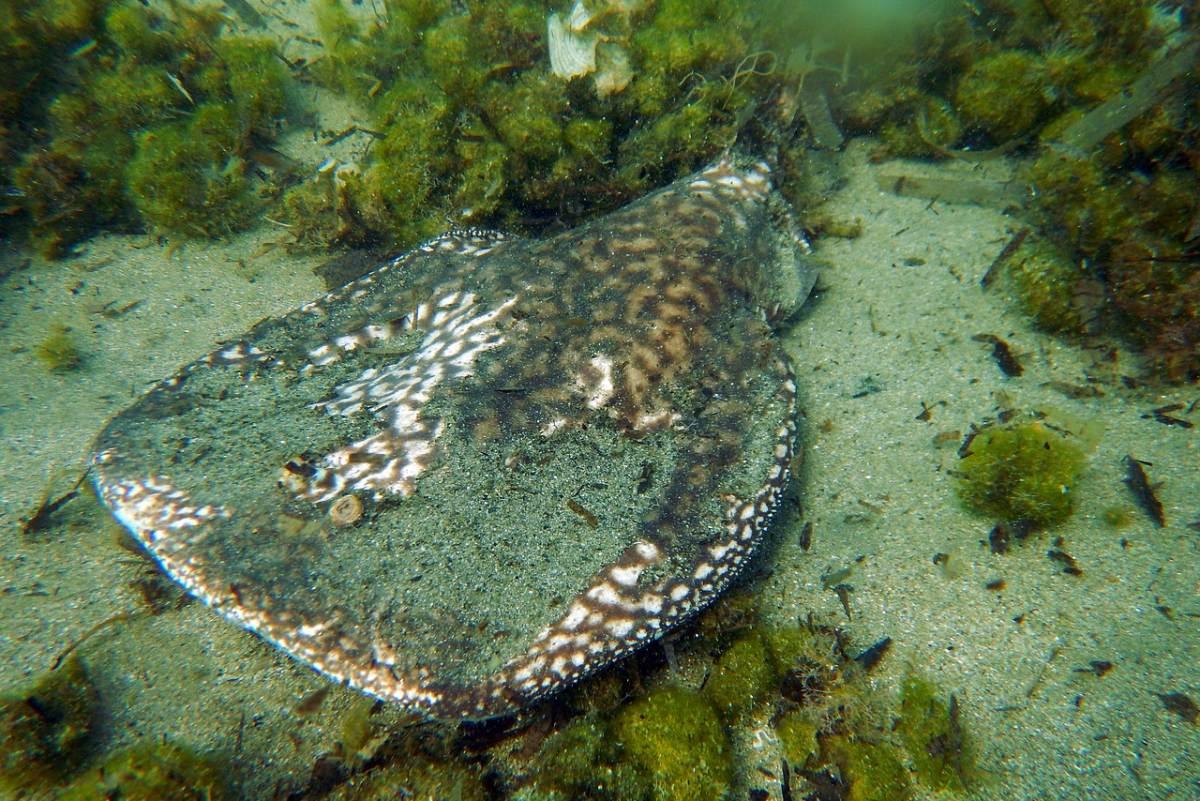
(257, 81)
(1047, 283)
(1086, 204)
(528, 115)
(872, 771)
(138, 75)
(743, 677)
(1025, 472)
(1111, 27)
(797, 735)
(45, 729)
(139, 33)
(151, 772)
(584, 761)
(473, 128)
(1003, 94)
(414, 778)
(188, 178)
(799, 646)
(676, 736)
(928, 128)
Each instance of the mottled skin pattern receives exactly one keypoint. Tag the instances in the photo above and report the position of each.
(457, 365)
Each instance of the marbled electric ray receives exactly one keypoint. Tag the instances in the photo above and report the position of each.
(491, 466)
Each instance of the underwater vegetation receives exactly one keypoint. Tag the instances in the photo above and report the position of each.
(156, 119)
(151, 772)
(693, 766)
(46, 728)
(1025, 472)
(523, 113)
(840, 738)
(59, 352)
(48, 734)
(1094, 102)
(121, 116)
(471, 123)
(636, 733)
(933, 735)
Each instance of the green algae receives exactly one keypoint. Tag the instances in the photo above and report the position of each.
(138, 105)
(742, 677)
(1092, 204)
(59, 352)
(414, 778)
(1119, 517)
(1030, 73)
(1048, 284)
(46, 728)
(1104, 27)
(151, 772)
(797, 735)
(672, 742)
(473, 127)
(932, 127)
(683, 767)
(187, 179)
(941, 751)
(872, 771)
(799, 645)
(1002, 94)
(584, 761)
(1025, 472)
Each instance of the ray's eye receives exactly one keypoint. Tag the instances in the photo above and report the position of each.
(302, 469)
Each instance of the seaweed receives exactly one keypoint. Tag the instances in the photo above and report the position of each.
(152, 772)
(1001, 94)
(584, 761)
(742, 677)
(46, 729)
(942, 753)
(1024, 472)
(691, 767)
(474, 127)
(59, 352)
(156, 131)
(1134, 100)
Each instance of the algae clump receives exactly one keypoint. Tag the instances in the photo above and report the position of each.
(742, 677)
(1048, 285)
(584, 761)
(58, 351)
(151, 772)
(1003, 93)
(1025, 472)
(45, 729)
(187, 178)
(122, 135)
(797, 735)
(676, 736)
(943, 756)
(872, 770)
(416, 778)
(472, 128)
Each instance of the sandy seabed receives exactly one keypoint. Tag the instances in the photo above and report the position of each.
(889, 333)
